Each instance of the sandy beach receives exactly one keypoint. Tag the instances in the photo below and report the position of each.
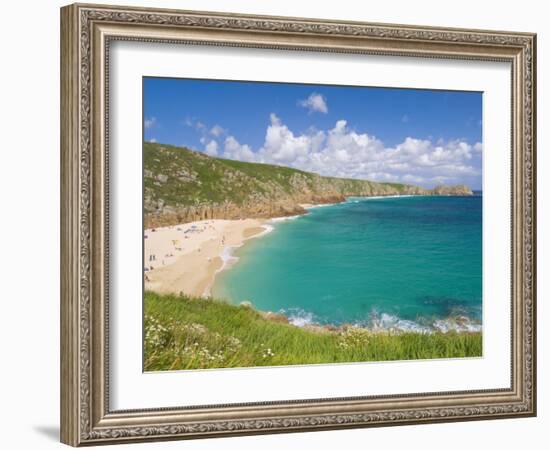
(185, 258)
(315, 205)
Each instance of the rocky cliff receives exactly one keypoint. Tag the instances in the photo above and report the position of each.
(182, 186)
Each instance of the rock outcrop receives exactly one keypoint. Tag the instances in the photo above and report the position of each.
(460, 189)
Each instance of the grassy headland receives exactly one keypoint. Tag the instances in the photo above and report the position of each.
(182, 332)
(183, 186)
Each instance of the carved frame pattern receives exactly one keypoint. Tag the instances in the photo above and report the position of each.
(86, 418)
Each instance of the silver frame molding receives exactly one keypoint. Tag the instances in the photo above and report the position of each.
(86, 33)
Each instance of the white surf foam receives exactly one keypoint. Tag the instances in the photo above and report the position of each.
(390, 322)
(227, 255)
(298, 317)
(458, 324)
(320, 205)
(267, 229)
(229, 259)
(385, 322)
(377, 197)
(284, 218)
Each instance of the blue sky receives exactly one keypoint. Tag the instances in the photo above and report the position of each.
(423, 137)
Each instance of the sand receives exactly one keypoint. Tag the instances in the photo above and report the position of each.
(315, 205)
(185, 258)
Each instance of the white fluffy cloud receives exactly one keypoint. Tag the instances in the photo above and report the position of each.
(315, 103)
(211, 148)
(217, 131)
(282, 146)
(149, 122)
(344, 152)
(234, 150)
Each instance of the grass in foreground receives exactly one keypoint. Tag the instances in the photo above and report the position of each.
(193, 333)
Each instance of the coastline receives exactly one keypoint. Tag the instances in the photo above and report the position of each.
(192, 254)
(186, 258)
(379, 323)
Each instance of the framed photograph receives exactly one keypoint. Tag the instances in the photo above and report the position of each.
(279, 224)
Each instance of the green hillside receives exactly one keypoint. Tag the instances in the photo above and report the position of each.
(183, 185)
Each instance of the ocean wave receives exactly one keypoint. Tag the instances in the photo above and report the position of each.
(453, 323)
(284, 218)
(385, 322)
(267, 229)
(227, 256)
(376, 197)
(458, 324)
(299, 317)
(390, 322)
(320, 205)
(229, 259)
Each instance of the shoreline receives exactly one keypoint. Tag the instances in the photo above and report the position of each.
(185, 258)
(226, 255)
(381, 323)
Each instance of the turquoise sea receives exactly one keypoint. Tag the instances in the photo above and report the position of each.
(411, 263)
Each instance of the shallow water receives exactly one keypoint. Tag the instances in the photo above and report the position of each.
(395, 262)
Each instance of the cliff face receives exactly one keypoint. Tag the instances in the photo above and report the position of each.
(183, 186)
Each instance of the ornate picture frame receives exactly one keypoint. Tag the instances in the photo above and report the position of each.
(87, 31)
